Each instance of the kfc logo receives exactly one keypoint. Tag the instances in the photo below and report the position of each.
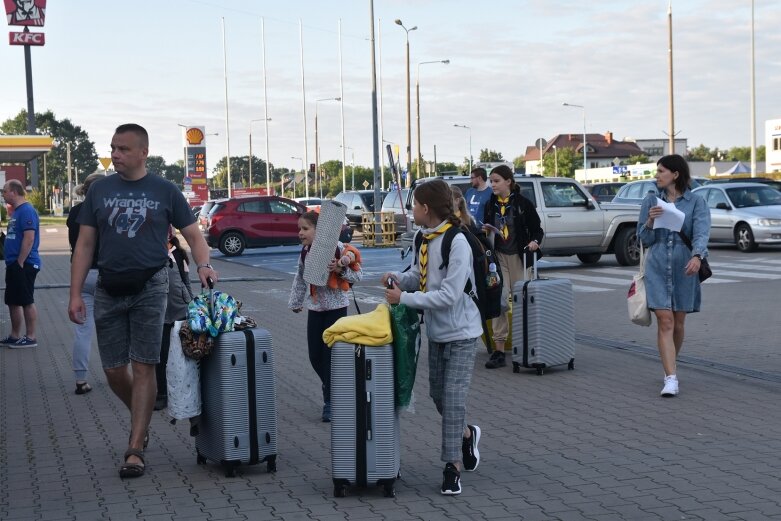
(25, 12)
(26, 38)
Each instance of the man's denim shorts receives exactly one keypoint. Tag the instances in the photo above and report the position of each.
(131, 328)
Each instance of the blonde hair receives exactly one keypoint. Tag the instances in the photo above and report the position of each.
(459, 204)
(82, 188)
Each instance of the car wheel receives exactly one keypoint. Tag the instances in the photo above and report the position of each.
(232, 244)
(744, 238)
(589, 258)
(627, 247)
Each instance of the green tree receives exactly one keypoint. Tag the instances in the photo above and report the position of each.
(633, 160)
(567, 159)
(240, 171)
(520, 163)
(449, 166)
(700, 153)
(84, 159)
(490, 155)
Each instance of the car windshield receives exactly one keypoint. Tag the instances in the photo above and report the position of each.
(746, 197)
(205, 209)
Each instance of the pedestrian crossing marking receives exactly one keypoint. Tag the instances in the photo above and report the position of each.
(586, 278)
(760, 267)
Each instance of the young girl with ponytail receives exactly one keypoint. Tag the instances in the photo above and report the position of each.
(515, 225)
(452, 323)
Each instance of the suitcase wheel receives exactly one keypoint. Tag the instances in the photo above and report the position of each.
(390, 491)
(340, 490)
(271, 464)
(200, 459)
(540, 371)
(230, 470)
(571, 365)
(516, 367)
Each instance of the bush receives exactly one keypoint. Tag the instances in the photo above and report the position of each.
(3, 212)
(38, 199)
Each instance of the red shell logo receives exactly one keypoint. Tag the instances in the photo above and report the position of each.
(194, 136)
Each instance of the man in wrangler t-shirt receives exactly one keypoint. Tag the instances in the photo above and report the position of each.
(129, 213)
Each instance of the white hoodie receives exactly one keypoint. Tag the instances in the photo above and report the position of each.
(450, 314)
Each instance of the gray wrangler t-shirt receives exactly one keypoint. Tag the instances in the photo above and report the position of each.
(132, 219)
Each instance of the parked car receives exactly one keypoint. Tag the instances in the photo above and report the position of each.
(573, 221)
(703, 180)
(311, 203)
(203, 215)
(773, 183)
(357, 202)
(252, 222)
(635, 191)
(395, 202)
(196, 211)
(745, 214)
(604, 192)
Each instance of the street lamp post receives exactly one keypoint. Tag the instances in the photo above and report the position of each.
(249, 184)
(352, 153)
(409, 123)
(317, 147)
(417, 103)
(585, 147)
(555, 161)
(470, 142)
(294, 175)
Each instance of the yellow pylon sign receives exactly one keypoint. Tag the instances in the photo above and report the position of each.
(105, 162)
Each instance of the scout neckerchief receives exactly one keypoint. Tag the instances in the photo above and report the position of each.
(504, 203)
(423, 257)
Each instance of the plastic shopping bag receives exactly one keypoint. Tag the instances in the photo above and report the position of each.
(405, 326)
(184, 381)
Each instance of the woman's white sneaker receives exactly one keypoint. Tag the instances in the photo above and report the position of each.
(670, 386)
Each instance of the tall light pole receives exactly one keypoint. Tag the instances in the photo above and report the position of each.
(341, 107)
(753, 103)
(555, 161)
(470, 142)
(417, 103)
(265, 109)
(303, 101)
(352, 152)
(317, 147)
(249, 184)
(227, 118)
(671, 106)
(294, 175)
(409, 122)
(585, 147)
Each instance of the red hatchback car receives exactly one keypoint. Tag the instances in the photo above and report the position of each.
(251, 222)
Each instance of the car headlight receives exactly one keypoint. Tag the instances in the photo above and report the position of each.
(769, 222)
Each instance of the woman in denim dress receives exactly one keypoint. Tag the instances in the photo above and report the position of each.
(671, 281)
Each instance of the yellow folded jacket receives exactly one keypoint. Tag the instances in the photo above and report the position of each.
(369, 329)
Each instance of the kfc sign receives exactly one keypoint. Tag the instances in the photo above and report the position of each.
(25, 12)
(26, 38)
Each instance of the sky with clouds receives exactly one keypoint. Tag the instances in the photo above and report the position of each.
(512, 65)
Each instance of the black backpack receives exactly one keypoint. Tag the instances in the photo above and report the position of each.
(488, 300)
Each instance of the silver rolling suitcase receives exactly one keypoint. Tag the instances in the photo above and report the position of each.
(239, 413)
(364, 423)
(543, 323)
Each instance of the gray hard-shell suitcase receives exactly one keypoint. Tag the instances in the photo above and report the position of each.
(543, 323)
(239, 412)
(364, 423)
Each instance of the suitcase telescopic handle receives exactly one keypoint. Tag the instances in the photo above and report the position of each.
(368, 415)
(534, 264)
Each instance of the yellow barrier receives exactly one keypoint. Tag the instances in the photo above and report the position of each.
(387, 229)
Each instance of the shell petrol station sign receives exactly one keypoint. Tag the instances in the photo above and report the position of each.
(195, 188)
(25, 13)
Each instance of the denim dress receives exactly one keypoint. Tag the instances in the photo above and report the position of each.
(666, 282)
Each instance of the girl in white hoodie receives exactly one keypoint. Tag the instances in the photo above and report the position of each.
(452, 323)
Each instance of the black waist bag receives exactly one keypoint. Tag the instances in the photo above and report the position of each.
(126, 283)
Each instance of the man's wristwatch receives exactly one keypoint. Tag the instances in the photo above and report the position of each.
(204, 266)
(698, 256)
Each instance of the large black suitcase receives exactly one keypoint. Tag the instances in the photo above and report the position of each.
(239, 413)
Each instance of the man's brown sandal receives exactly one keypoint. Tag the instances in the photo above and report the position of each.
(133, 470)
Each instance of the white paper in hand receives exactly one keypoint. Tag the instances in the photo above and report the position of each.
(672, 218)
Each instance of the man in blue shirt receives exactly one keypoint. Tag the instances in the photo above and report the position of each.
(479, 195)
(22, 264)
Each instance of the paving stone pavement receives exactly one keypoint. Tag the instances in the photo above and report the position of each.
(596, 443)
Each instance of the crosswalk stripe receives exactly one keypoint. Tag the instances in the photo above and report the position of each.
(617, 271)
(715, 280)
(747, 275)
(760, 267)
(589, 289)
(587, 278)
